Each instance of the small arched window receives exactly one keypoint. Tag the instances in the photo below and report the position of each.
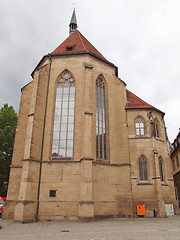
(143, 173)
(139, 125)
(63, 133)
(101, 120)
(156, 128)
(161, 168)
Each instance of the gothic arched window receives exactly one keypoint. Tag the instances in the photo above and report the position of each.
(156, 128)
(101, 122)
(143, 174)
(139, 125)
(63, 133)
(161, 168)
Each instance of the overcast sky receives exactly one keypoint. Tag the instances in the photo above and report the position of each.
(141, 37)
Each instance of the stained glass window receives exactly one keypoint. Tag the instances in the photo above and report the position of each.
(63, 133)
(101, 133)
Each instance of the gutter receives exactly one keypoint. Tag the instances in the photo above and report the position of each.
(145, 108)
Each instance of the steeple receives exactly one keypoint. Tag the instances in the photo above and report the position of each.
(73, 23)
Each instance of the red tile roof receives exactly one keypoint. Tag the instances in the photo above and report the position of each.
(77, 43)
(135, 102)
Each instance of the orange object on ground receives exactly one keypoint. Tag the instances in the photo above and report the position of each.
(140, 210)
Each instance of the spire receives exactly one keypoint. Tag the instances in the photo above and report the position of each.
(73, 23)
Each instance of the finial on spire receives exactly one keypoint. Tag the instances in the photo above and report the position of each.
(73, 23)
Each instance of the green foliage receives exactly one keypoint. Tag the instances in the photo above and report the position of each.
(8, 122)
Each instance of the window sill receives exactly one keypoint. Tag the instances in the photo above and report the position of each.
(144, 182)
(61, 159)
(164, 183)
(101, 161)
(158, 139)
(141, 136)
(138, 137)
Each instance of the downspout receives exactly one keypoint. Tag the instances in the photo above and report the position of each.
(127, 124)
(42, 146)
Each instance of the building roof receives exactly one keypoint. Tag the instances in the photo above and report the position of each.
(134, 102)
(77, 43)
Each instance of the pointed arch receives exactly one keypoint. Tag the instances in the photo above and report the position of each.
(143, 167)
(101, 118)
(62, 74)
(63, 132)
(161, 172)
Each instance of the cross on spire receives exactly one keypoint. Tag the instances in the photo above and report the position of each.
(73, 23)
(74, 4)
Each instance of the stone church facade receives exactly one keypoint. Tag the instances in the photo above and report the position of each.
(85, 146)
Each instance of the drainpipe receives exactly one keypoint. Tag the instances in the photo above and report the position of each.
(129, 153)
(42, 146)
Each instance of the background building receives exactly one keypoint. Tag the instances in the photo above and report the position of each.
(85, 146)
(175, 156)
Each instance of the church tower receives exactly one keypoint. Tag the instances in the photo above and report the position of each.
(85, 146)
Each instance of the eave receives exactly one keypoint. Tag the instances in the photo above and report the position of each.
(145, 108)
(72, 54)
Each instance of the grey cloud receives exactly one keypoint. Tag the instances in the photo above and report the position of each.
(140, 37)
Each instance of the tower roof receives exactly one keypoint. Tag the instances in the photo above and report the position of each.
(134, 102)
(73, 18)
(77, 43)
(73, 23)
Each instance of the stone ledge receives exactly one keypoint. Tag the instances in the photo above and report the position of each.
(144, 183)
(86, 202)
(31, 159)
(164, 184)
(88, 65)
(66, 160)
(110, 164)
(25, 201)
(159, 139)
(138, 137)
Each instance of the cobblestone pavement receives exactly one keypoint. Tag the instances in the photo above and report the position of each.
(114, 229)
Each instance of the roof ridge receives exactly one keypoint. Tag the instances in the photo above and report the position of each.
(81, 40)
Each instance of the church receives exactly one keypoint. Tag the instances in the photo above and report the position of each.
(85, 146)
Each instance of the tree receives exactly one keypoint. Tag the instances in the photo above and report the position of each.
(8, 122)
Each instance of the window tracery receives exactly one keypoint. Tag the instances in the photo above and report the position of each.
(63, 133)
(139, 125)
(143, 171)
